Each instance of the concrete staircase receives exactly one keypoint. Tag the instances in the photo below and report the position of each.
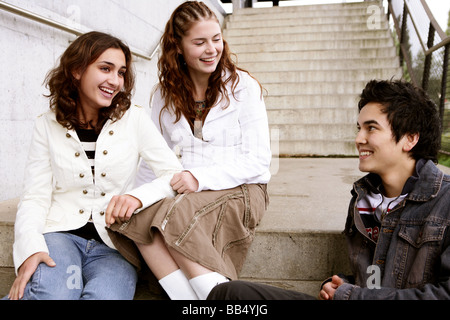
(7, 217)
(314, 62)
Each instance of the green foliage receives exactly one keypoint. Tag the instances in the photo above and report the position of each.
(444, 160)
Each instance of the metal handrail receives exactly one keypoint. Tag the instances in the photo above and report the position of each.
(445, 40)
(35, 17)
(428, 48)
(433, 21)
(400, 30)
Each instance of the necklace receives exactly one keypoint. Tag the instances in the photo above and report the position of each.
(385, 204)
(200, 107)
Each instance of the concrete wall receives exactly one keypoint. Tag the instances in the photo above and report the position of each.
(29, 49)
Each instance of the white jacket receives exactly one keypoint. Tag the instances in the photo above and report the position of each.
(236, 144)
(59, 189)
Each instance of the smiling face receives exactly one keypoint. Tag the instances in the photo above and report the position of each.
(378, 150)
(202, 48)
(101, 81)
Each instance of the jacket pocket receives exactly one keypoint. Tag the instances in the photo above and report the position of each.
(54, 218)
(213, 217)
(417, 236)
(419, 252)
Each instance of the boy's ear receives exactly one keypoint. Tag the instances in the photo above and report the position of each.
(411, 140)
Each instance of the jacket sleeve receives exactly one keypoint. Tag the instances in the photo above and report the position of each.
(256, 155)
(160, 159)
(430, 291)
(145, 174)
(36, 198)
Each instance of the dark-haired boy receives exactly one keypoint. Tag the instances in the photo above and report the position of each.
(399, 215)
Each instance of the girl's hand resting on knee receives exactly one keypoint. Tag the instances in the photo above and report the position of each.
(121, 208)
(26, 271)
(184, 182)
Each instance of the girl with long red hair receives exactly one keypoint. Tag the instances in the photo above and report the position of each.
(213, 114)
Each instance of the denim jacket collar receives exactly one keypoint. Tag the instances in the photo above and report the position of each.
(430, 182)
(422, 186)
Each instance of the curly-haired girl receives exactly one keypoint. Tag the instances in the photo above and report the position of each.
(83, 159)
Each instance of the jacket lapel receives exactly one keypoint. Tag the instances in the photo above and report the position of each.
(219, 109)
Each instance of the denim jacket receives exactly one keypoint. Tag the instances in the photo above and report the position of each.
(411, 259)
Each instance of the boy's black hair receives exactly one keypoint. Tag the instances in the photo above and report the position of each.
(409, 110)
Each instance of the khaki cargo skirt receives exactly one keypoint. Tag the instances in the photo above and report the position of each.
(212, 228)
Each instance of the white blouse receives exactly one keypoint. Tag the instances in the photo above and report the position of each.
(235, 148)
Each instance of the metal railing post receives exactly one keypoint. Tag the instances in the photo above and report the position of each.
(403, 31)
(428, 57)
(444, 83)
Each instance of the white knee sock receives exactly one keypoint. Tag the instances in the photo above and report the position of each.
(203, 284)
(177, 286)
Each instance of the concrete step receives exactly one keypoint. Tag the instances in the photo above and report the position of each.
(316, 131)
(302, 65)
(372, 53)
(316, 36)
(240, 44)
(7, 217)
(315, 23)
(309, 100)
(313, 115)
(330, 27)
(307, 11)
(326, 88)
(338, 76)
(328, 147)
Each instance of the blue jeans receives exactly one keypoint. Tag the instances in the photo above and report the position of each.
(85, 269)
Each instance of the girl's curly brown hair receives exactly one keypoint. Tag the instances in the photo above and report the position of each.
(63, 86)
(175, 83)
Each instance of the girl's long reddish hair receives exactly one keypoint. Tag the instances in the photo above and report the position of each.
(63, 86)
(175, 83)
